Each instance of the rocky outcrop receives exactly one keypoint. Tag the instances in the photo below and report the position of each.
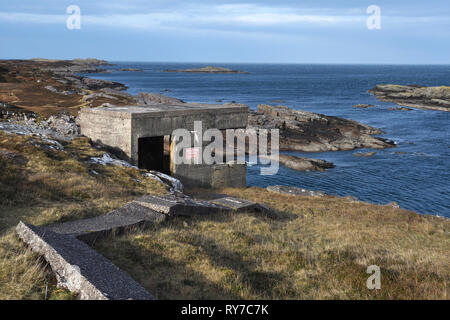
(433, 98)
(97, 84)
(156, 98)
(312, 132)
(74, 66)
(365, 154)
(304, 164)
(364, 106)
(63, 124)
(13, 113)
(19, 121)
(130, 70)
(400, 109)
(208, 69)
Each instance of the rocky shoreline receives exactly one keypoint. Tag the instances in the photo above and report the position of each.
(429, 98)
(312, 132)
(304, 164)
(43, 97)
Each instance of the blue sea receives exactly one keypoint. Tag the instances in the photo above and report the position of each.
(415, 174)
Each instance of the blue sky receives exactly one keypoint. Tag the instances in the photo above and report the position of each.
(281, 31)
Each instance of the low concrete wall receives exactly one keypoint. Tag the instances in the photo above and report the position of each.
(80, 268)
(214, 176)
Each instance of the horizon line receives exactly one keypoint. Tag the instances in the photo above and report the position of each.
(226, 62)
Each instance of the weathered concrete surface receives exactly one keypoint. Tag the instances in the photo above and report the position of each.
(121, 127)
(178, 206)
(216, 176)
(81, 269)
(130, 215)
(64, 245)
(172, 205)
(240, 205)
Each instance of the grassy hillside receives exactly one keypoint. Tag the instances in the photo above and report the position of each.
(42, 185)
(319, 248)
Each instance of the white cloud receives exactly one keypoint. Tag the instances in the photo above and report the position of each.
(219, 17)
(32, 18)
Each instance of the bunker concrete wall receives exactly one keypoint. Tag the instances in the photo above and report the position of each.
(121, 127)
(214, 176)
(110, 130)
(163, 126)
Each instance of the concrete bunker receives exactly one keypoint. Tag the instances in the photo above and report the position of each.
(143, 134)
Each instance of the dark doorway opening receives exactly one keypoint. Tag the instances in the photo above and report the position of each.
(151, 154)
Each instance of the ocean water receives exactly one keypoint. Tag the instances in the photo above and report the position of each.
(415, 174)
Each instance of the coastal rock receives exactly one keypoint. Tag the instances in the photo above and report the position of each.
(364, 106)
(63, 124)
(366, 154)
(392, 204)
(156, 98)
(208, 69)
(91, 61)
(13, 113)
(304, 164)
(294, 191)
(73, 66)
(312, 132)
(400, 109)
(433, 98)
(98, 95)
(97, 84)
(131, 70)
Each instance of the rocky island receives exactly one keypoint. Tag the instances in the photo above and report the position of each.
(208, 69)
(432, 98)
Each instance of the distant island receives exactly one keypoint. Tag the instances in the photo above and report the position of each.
(131, 70)
(432, 98)
(208, 69)
(87, 61)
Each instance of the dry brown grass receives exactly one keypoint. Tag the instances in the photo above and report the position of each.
(43, 186)
(319, 249)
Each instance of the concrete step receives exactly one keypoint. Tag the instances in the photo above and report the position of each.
(180, 206)
(126, 217)
(81, 269)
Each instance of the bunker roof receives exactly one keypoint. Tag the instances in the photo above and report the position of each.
(155, 111)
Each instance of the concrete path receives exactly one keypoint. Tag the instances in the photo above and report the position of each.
(79, 268)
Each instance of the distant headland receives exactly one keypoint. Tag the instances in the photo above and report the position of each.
(432, 98)
(208, 69)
